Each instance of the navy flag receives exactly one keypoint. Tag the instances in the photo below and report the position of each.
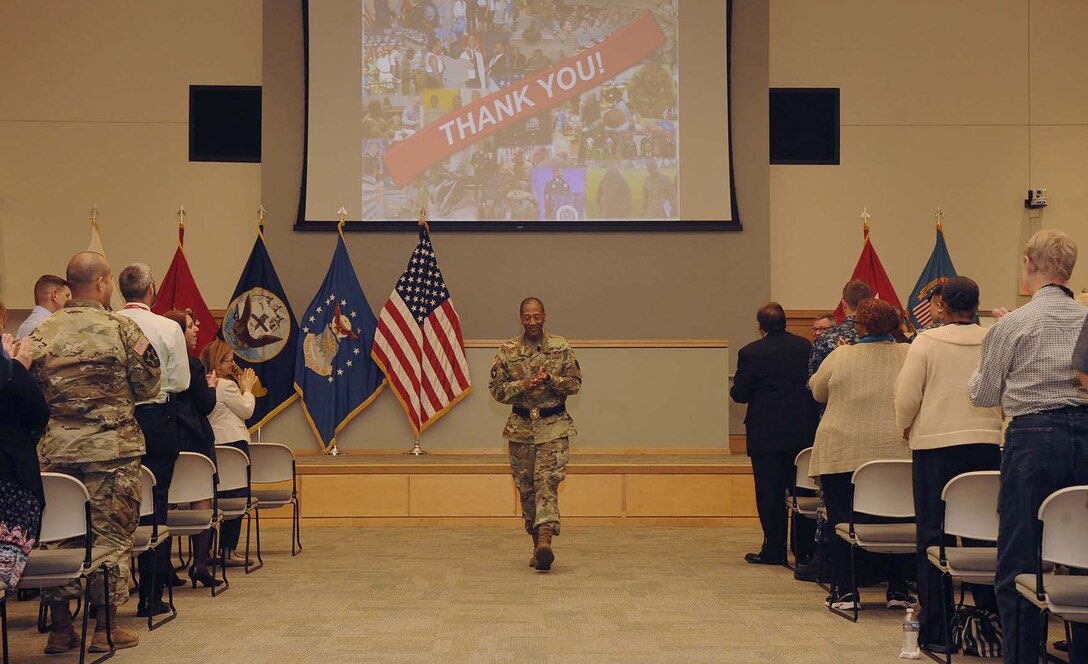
(260, 326)
(938, 270)
(334, 373)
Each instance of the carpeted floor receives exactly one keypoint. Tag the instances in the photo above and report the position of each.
(616, 594)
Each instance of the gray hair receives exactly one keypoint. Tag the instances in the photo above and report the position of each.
(135, 281)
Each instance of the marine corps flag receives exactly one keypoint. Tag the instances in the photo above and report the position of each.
(938, 270)
(260, 326)
(178, 290)
(334, 373)
(870, 270)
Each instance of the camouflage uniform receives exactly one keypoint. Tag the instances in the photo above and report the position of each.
(92, 365)
(539, 447)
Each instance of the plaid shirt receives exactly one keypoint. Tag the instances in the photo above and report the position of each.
(1026, 364)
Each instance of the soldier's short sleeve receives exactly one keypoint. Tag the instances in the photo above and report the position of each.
(569, 378)
(141, 360)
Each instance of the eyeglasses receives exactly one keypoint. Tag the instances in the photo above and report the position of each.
(821, 328)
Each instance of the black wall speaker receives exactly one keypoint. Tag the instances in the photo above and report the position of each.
(804, 125)
(225, 123)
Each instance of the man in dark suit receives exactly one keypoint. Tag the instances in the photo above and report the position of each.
(772, 377)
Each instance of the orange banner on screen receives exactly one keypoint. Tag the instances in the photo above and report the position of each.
(519, 101)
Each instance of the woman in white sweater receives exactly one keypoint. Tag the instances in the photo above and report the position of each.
(858, 385)
(948, 436)
(234, 403)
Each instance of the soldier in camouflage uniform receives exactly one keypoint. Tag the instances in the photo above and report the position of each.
(535, 373)
(92, 365)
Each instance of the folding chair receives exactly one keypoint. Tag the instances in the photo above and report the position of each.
(148, 538)
(233, 467)
(67, 514)
(883, 488)
(802, 506)
(1062, 533)
(195, 479)
(275, 463)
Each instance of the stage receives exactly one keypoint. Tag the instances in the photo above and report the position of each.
(387, 489)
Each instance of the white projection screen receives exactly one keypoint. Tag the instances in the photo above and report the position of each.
(513, 114)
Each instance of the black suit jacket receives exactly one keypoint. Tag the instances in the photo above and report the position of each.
(23, 416)
(194, 406)
(772, 378)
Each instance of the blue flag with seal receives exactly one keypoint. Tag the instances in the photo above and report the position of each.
(938, 270)
(260, 326)
(334, 373)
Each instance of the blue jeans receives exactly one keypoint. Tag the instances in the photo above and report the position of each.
(1044, 452)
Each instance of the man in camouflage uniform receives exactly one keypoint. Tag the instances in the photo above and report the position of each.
(535, 373)
(92, 365)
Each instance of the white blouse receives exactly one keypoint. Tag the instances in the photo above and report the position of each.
(232, 409)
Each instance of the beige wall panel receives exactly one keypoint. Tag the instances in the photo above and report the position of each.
(355, 495)
(907, 61)
(679, 495)
(591, 495)
(743, 496)
(462, 495)
(978, 175)
(1059, 162)
(122, 61)
(138, 174)
(1059, 51)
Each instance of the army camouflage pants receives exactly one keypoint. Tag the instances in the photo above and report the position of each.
(538, 469)
(114, 487)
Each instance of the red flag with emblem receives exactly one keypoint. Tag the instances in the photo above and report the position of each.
(178, 290)
(870, 270)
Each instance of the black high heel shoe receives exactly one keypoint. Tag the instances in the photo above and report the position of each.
(204, 578)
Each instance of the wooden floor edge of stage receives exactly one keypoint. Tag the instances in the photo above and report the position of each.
(363, 490)
(508, 522)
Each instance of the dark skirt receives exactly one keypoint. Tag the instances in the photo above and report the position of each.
(20, 520)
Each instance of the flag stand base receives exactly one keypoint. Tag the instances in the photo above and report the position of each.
(334, 451)
(416, 451)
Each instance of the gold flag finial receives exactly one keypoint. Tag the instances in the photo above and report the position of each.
(181, 215)
(260, 214)
(865, 221)
(939, 216)
(423, 219)
(94, 216)
(342, 213)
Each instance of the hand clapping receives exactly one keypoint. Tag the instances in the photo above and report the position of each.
(538, 379)
(248, 380)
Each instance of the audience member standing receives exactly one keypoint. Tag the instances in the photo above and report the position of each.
(234, 405)
(1027, 369)
(857, 382)
(948, 436)
(23, 417)
(852, 294)
(93, 365)
(772, 376)
(158, 415)
(50, 294)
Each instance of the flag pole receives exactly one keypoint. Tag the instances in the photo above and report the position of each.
(342, 213)
(416, 449)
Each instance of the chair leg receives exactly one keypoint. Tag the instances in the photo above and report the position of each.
(296, 526)
(43, 616)
(4, 625)
(218, 554)
(156, 552)
(86, 614)
(109, 618)
(854, 583)
(251, 517)
(951, 612)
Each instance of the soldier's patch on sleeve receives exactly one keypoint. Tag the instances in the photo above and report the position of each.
(494, 371)
(141, 346)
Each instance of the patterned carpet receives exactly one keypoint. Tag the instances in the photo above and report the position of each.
(616, 594)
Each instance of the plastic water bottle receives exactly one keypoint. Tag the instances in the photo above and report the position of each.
(910, 637)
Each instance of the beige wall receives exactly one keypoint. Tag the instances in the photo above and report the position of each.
(960, 104)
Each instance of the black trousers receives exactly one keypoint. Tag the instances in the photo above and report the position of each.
(160, 428)
(932, 470)
(231, 531)
(773, 474)
(870, 568)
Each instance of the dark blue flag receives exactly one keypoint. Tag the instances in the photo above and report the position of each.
(334, 373)
(260, 326)
(938, 270)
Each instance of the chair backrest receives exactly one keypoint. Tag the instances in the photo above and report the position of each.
(66, 505)
(801, 464)
(1065, 526)
(970, 505)
(147, 497)
(884, 488)
(233, 467)
(271, 462)
(194, 478)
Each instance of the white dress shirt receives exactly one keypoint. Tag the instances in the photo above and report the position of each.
(168, 341)
(37, 315)
(232, 409)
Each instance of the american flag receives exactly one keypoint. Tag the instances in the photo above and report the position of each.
(921, 313)
(418, 343)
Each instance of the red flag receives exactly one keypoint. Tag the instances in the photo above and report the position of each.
(871, 271)
(178, 290)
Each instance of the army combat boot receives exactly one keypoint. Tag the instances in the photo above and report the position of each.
(121, 638)
(536, 539)
(543, 554)
(63, 636)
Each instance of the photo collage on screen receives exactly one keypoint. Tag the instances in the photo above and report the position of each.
(611, 153)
